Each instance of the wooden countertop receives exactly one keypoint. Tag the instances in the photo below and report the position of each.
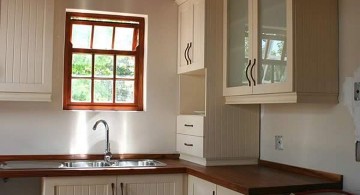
(265, 178)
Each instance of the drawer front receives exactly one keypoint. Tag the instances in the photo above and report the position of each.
(191, 145)
(190, 125)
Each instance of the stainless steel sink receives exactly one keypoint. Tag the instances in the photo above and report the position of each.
(112, 164)
(80, 164)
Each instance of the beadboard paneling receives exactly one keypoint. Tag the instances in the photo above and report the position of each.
(26, 37)
(231, 131)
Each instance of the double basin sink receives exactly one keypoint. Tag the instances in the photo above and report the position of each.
(81, 164)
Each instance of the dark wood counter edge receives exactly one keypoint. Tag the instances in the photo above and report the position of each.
(86, 157)
(334, 180)
(308, 172)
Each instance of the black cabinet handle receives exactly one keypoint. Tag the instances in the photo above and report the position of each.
(190, 145)
(213, 192)
(188, 53)
(112, 188)
(251, 71)
(122, 188)
(246, 73)
(185, 54)
(186, 125)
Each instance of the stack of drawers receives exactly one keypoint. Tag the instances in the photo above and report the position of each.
(190, 135)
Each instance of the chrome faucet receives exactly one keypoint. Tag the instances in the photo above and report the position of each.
(107, 153)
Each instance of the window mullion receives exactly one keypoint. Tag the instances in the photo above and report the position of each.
(92, 78)
(114, 79)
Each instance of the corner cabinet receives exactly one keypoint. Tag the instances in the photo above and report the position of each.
(197, 186)
(26, 49)
(280, 51)
(208, 131)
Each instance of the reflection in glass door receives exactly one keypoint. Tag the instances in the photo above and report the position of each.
(238, 42)
(272, 42)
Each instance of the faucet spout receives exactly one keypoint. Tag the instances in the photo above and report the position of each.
(107, 152)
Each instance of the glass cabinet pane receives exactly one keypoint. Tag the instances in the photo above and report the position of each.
(272, 41)
(237, 42)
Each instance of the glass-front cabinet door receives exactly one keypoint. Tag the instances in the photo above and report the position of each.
(273, 39)
(237, 46)
(257, 47)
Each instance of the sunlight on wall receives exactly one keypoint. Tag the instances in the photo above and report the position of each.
(123, 137)
(79, 142)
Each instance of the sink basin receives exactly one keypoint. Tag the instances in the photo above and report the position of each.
(112, 164)
(80, 164)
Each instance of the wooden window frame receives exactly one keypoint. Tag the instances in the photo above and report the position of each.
(138, 53)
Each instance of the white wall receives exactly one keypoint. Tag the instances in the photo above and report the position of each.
(322, 137)
(44, 128)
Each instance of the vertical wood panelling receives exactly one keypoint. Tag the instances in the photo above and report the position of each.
(25, 41)
(26, 45)
(3, 25)
(231, 131)
(17, 41)
(39, 42)
(32, 42)
(82, 190)
(10, 41)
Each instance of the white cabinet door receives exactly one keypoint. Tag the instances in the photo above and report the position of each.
(26, 49)
(98, 185)
(166, 184)
(191, 36)
(224, 191)
(197, 186)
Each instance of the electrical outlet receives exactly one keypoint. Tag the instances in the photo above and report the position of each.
(279, 145)
(357, 91)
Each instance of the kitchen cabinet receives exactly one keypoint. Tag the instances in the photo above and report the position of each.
(197, 186)
(280, 51)
(97, 185)
(204, 122)
(166, 184)
(191, 35)
(26, 49)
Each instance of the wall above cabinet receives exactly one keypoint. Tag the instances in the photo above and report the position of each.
(281, 51)
(26, 50)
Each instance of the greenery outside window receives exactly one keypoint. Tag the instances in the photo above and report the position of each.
(104, 56)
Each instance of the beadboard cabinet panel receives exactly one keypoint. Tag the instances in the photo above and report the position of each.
(95, 185)
(168, 184)
(26, 45)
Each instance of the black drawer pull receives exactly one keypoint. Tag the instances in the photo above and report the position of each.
(190, 145)
(186, 125)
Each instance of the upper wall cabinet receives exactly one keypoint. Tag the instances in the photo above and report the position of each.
(191, 35)
(280, 51)
(26, 49)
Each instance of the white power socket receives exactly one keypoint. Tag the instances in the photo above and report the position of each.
(279, 145)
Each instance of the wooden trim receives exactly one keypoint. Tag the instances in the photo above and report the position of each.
(324, 98)
(102, 51)
(85, 157)
(139, 64)
(34, 97)
(100, 23)
(302, 171)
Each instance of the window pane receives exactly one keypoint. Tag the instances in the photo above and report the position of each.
(125, 67)
(81, 65)
(81, 90)
(103, 91)
(275, 50)
(81, 36)
(103, 37)
(104, 66)
(124, 39)
(125, 91)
